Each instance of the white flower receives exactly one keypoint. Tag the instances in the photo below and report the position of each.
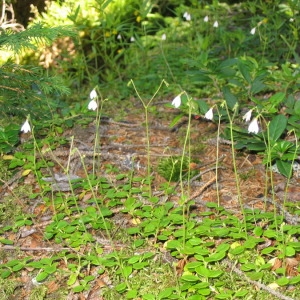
(205, 19)
(163, 37)
(132, 39)
(119, 36)
(253, 30)
(216, 24)
(26, 127)
(253, 126)
(177, 101)
(93, 94)
(187, 16)
(209, 114)
(292, 20)
(92, 105)
(247, 116)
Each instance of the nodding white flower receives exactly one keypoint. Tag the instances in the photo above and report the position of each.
(163, 37)
(205, 19)
(92, 105)
(132, 39)
(216, 24)
(177, 101)
(187, 16)
(247, 116)
(253, 126)
(93, 94)
(209, 114)
(292, 20)
(253, 30)
(26, 127)
(119, 36)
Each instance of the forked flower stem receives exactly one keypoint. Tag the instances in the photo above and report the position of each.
(146, 106)
(237, 178)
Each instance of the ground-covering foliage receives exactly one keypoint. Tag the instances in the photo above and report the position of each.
(124, 134)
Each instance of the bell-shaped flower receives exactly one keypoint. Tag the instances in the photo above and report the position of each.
(253, 126)
(187, 16)
(132, 39)
(26, 127)
(205, 19)
(247, 116)
(209, 114)
(216, 24)
(93, 94)
(119, 36)
(163, 37)
(253, 30)
(176, 101)
(93, 105)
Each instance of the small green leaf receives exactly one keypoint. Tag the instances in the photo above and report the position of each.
(248, 267)
(204, 292)
(141, 265)
(258, 231)
(215, 257)
(241, 293)
(78, 289)
(238, 250)
(223, 296)
(6, 242)
(268, 250)
(192, 265)
(165, 293)
(285, 168)
(50, 269)
(121, 287)
(295, 280)
(270, 233)
(282, 281)
(190, 278)
(41, 276)
(131, 294)
(290, 251)
(72, 279)
(4, 274)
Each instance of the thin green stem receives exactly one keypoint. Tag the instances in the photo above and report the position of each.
(146, 106)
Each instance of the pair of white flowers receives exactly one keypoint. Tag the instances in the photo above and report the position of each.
(253, 126)
(177, 102)
(93, 105)
(187, 16)
(215, 25)
(209, 115)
